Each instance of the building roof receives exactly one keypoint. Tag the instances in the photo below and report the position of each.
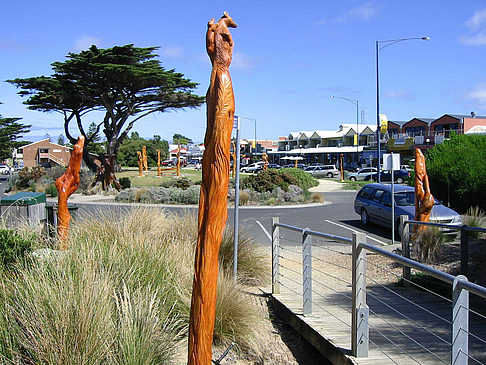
(44, 140)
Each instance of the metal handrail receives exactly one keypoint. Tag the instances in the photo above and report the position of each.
(461, 287)
(445, 225)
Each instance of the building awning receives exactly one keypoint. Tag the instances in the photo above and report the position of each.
(303, 151)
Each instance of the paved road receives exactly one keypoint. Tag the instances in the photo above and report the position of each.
(337, 218)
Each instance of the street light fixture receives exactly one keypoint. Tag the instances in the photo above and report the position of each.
(378, 49)
(255, 130)
(355, 102)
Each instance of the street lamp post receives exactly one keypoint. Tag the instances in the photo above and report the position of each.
(255, 129)
(355, 102)
(378, 49)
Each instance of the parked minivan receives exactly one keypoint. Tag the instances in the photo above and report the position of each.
(373, 204)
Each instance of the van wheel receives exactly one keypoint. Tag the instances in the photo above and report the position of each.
(352, 178)
(400, 180)
(329, 174)
(364, 217)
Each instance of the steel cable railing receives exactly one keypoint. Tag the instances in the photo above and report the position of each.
(360, 310)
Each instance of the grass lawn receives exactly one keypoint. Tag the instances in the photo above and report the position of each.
(354, 185)
(150, 177)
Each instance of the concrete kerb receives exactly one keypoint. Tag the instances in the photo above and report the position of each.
(323, 187)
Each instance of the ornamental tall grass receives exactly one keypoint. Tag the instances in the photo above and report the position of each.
(120, 295)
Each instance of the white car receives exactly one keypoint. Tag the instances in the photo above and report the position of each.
(253, 167)
(4, 169)
(361, 174)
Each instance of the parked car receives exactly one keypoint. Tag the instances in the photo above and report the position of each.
(350, 166)
(274, 166)
(4, 169)
(323, 171)
(253, 167)
(400, 176)
(361, 174)
(373, 204)
(299, 166)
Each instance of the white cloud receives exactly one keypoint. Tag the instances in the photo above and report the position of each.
(172, 52)
(84, 42)
(477, 20)
(477, 30)
(400, 94)
(242, 61)
(479, 94)
(364, 11)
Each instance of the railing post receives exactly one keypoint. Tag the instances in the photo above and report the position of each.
(405, 232)
(275, 256)
(307, 272)
(460, 322)
(360, 311)
(464, 250)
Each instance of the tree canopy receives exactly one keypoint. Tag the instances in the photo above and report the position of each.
(10, 132)
(124, 83)
(179, 138)
(457, 171)
(127, 153)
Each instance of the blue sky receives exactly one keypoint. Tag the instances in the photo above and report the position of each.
(289, 57)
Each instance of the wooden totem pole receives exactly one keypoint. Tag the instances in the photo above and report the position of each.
(214, 188)
(424, 201)
(158, 163)
(66, 185)
(144, 158)
(140, 164)
(265, 161)
(178, 171)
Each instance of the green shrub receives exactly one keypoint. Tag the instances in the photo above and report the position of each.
(13, 247)
(244, 197)
(428, 244)
(51, 190)
(474, 217)
(125, 182)
(268, 180)
(182, 183)
(304, 179)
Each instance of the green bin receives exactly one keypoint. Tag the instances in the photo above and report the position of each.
(22, 208)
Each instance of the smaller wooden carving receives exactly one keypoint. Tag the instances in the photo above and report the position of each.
(178, 160)
(341, 166)
(424, 201)
(66, 185)
(265, 161)
(140, 163)
(144, 158)
(158, 163)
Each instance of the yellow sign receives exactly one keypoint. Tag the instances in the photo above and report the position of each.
(383, 123)
(355, 140)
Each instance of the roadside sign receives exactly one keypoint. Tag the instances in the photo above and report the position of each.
(236, 122)
(391, 161)
(383, 123)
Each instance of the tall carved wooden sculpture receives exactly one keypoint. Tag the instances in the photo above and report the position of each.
(66, 185)
(140, 163)
(144, 158)
(265, 161)
(424, 201)
(214, 188)
(158, 163)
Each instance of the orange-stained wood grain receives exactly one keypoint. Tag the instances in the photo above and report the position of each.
(214, 188)
(140, 163)
(144, 158)
(66, 185)
(158, 163)
(424, 201)
(265, 161)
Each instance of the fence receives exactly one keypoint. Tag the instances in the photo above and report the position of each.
(442, 330)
